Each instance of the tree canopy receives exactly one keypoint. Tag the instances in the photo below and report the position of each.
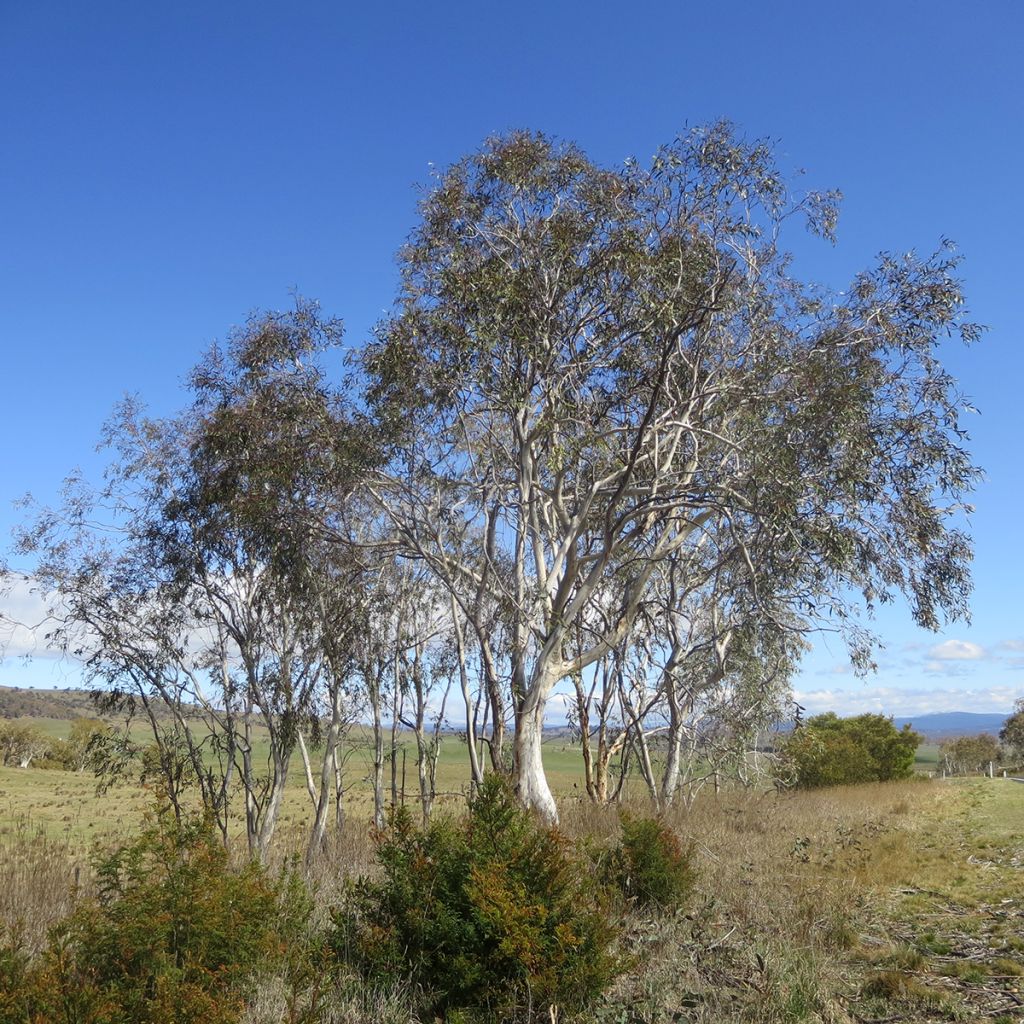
(1012, 732)
(595, 373)
(965, 754)
(607, 440)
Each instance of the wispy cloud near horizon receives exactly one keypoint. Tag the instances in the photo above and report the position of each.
(901, 702)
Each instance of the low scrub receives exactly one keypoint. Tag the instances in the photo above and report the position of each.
(173, 937)
(649, 867)
(489, 917)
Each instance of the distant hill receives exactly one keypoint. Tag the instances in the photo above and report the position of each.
(18, 702)
(948, 724)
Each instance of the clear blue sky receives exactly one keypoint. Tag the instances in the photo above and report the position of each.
(164, 169)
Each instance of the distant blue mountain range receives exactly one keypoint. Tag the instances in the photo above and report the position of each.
(952, 723)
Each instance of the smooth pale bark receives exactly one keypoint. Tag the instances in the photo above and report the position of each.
(496, 705)
(378, 757)
(323, 805)
(475, 774)
(397, 694)
(423, 778)
(549, 666)
(328, 773)
(420, 732)
(531, 781)
(670, 778)
(307, 765)
(252, 809)
(272, 806)
(643, 752)
(339, 792)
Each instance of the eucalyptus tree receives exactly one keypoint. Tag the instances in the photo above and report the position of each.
(266, 497)
(407, 661)
(424, 672)
(109, 608)
(717, 645)
(686, 691)
(208, 581)
(598, 722)
(1012, 732)
(375, 660)
(590, 368)
(21, 744)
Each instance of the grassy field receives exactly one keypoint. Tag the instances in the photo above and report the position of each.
(66, 804)
(927, 757)
(59, 803)
(886, 903)
(859, 905)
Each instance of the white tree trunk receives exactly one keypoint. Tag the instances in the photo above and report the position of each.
(531, 782)
(670, 780)
(322, 799)
(272, 806)
(378, 760)
(476, 776)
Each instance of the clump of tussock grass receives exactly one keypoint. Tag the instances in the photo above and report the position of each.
(40, 880)
(896, 989)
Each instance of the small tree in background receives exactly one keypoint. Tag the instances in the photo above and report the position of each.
(833, 751)
(21, 744)
(966, 754)
(85, 735)
(1012, 732)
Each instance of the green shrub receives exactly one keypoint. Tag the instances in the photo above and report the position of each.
(174, 937)
(15, 1000)
(491, 915)
(650, 867)
(831, 751)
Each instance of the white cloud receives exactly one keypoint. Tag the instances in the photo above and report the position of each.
(25, 621)
(957, 650)
(897, 701)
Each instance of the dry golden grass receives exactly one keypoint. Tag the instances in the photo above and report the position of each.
(812, 904)
(40, 878)
(898, 902)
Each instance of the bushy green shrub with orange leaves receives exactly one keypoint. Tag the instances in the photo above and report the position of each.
(650, 867)
(493, 915)
(173, 937)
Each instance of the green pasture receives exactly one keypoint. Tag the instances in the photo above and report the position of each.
(60, 803)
